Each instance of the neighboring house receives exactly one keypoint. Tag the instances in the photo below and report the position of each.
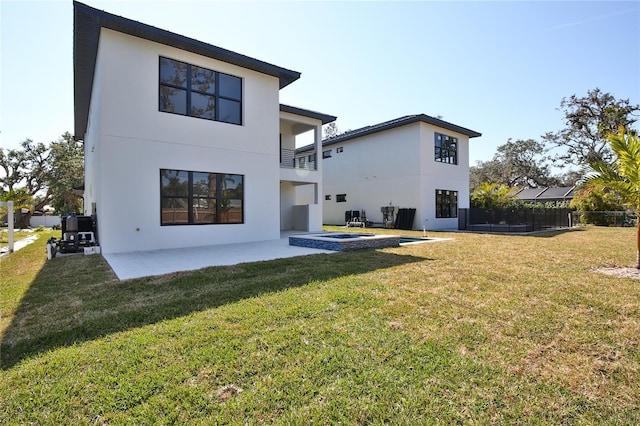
(414, 162)
(185, 143)
(546, 194)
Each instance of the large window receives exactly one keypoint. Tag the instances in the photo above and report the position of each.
(199, 92)
(446, 203)
(446, 149)
(190, 198)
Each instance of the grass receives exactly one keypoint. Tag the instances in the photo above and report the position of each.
(17, 235)
(478, 329)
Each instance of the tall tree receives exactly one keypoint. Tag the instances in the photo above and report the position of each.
(623, 175)
(589, 120)
(519, 163)
(66, 172)
(44, 174)
(330, 130)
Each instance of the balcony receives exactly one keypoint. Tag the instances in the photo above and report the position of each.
(288, 160)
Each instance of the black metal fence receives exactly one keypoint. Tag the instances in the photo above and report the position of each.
(513, 220)
(606, 218)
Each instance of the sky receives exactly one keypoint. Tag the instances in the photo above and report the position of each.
(499, 68)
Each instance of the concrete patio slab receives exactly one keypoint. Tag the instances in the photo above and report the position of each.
(159, 262)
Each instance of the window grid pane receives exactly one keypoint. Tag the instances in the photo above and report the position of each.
(200, 198)
(194, 91)
(446, 203)
(445, 149)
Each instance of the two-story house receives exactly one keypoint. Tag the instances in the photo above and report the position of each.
(413, 162)
(186, 143)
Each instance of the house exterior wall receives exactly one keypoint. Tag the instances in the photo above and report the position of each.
(129, 140)
(300, 186)
(436, 175)
(394, 166)
(92, 146)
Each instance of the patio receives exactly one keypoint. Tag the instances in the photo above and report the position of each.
(159, 262)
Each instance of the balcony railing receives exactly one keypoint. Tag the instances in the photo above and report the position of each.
(288, 160)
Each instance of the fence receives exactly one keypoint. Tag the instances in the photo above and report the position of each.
(45, 220)
(606, 218)
(513, 220)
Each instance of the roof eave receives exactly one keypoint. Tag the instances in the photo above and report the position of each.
(403, 121)
(88, 22)
(325, 118)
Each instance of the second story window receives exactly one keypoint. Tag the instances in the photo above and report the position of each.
(187, 89)
(326, 154)
(446, 149)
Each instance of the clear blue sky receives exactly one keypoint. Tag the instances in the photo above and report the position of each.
(500, 68)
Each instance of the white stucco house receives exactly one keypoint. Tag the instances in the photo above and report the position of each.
(413, 162)
(186, 144)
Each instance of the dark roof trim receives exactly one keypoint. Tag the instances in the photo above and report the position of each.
(87, 23)
(402, 121)
(325, 118)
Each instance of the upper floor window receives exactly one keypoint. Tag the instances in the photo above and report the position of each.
(199, 92)
(326, 154)
(446, 149)
(339, 149)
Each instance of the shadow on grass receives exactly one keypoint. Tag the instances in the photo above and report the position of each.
(549, 233)
(545, 233)
(78, 298)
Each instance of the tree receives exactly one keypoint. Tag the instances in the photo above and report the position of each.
(589, 120)
(43, 174)
(492, 196)
(594, 201)
(330, 130)
(596, 198)
(66, 172)
(525, 164)
(519, 163)
(623, 175)
(486, 171)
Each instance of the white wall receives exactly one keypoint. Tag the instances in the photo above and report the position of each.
(300, 187)
(287, 201)
(136, 141)
(44, 220)
(372, 171)
(436, 175)
(394, 166)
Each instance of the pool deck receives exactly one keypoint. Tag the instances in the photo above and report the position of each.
(140, 264)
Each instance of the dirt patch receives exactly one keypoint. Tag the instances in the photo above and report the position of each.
(620, 272)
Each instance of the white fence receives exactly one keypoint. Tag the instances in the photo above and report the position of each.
(46, 220)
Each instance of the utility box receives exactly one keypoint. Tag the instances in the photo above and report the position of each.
(91, 250)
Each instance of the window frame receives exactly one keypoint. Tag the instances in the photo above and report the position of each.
(443, 150)
(194, 200)
(326, 154)
(341, 198)
(446, 204)
(218, 94)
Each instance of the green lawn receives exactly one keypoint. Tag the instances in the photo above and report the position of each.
(488, 329)
(17, 235)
